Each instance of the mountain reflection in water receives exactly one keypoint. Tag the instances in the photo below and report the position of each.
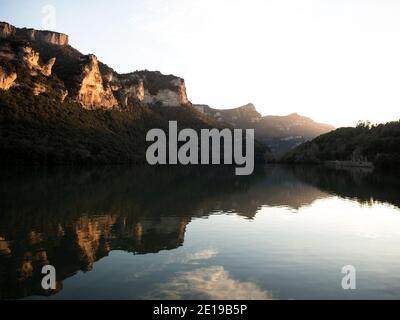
(72, 218)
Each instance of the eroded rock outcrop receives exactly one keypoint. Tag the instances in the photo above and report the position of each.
(6, 30)
(47, 68)
(170, 97)
(152, 88)
(31, 59)
(39, 88)
(7, 78)
(88, 81)
(131, 89)
(93, 92)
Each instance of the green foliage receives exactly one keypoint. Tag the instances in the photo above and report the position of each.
(41, 130)
(379, 144)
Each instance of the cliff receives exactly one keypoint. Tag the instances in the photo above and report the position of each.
(86, 80)
(7, 78)
(152, 88)
(92, 92)
(7, 30)
(31, 60)
(55, 38)
(82, 110)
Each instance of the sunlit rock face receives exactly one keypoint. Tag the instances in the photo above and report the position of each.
(7, 79)
(88, 81)
(93, 93)
(152, 88)
(54, 38)
(129, 89)
(31, 59)
(47, 68)
(39, 88)
(176, 96)
(6, 30)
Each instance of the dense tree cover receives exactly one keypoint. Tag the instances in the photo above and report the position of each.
(42, 130)
(379, 144)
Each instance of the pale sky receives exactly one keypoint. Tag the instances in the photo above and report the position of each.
(336, 61)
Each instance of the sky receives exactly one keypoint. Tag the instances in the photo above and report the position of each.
(336, 61)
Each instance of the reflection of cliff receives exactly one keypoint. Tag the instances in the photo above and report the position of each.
(77, 246)
(71, 218)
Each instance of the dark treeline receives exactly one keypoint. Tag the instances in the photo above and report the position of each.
(42, 130)
(379, 144)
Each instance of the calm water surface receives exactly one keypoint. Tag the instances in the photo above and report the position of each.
(142, 233)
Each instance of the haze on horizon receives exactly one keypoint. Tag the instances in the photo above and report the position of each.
(336, 61)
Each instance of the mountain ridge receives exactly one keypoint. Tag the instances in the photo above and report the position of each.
(280, 133)
(43, 77)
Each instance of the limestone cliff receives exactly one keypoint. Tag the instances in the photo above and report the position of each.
(6, 30)
(173, 96)
(85, 79)
(153, 88)
(92, 92)
(31, 59)
(128, 89)
(54, 38)
(7, 78)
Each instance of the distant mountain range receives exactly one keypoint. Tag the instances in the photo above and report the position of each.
(59, 106)
(280, 133)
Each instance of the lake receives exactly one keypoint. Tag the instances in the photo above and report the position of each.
(199, 233)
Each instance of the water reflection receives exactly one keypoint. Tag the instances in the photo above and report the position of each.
(72, 218)
(212, 283)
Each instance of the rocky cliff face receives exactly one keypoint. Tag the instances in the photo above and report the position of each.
(7, 78)
(87, 80)
(54, 38)
(128, 89)
(6, 30)
(31, 59)
(152, 88)
(93, 93)
(170, 97)
(21, 66)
